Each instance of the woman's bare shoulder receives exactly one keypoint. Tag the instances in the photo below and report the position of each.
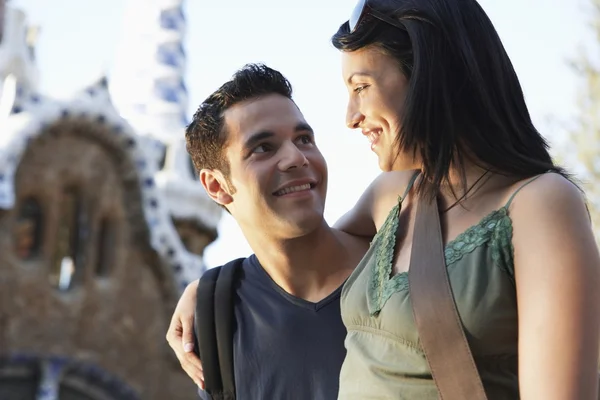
(549, 209)
(387, 188)
(548, 194)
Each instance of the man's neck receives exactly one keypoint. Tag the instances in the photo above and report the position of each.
(309, 267)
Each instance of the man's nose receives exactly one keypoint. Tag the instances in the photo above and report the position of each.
(292, 157)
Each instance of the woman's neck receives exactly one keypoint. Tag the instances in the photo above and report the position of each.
(463, 184)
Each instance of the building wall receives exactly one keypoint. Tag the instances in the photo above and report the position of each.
(78, 209)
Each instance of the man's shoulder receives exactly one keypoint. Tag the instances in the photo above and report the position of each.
(356, 246)
(243, 277)
(233, 264)
(231, 270)
(236, 263)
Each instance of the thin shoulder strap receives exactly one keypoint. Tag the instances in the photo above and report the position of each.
(411, 182)
(440, 329)
(512, 196)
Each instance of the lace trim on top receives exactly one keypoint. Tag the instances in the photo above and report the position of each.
(385, 242)
(495, 228)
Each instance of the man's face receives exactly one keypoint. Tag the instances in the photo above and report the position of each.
(279, 174)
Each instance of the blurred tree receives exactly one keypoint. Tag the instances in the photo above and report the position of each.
(585, 132)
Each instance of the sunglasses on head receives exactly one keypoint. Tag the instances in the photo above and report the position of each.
(363, 10)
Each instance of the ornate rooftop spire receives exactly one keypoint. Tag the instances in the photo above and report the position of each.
(17, 48)
(147, 82)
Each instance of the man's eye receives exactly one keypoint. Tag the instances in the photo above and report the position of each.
(360, 88)
(262, 148)
(305, 139)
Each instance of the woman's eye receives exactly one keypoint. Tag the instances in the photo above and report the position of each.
(360, 88)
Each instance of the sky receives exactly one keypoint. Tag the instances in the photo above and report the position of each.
(78, 42)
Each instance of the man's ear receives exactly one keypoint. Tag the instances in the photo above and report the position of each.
(216, 186)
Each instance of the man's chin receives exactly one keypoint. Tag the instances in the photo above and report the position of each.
(298, 226)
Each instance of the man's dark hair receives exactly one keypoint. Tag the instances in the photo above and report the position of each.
(205, 136)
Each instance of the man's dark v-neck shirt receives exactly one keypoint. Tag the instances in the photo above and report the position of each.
(284, 347)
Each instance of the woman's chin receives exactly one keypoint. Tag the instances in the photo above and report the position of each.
(384, 165)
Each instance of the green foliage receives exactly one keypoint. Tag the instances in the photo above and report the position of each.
(585, 133)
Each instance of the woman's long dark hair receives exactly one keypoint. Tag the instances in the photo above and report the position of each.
(464, 98)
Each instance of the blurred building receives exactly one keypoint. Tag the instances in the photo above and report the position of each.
(102, 220)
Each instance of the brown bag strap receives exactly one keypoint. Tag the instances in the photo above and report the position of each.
(438, 323)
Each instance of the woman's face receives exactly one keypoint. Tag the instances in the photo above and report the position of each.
(377, 90)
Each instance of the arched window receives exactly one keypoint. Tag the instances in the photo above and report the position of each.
(28, 229)
(106, 242)
(68, 260)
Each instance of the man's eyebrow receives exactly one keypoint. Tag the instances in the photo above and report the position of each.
(303, 126)
(256, 138)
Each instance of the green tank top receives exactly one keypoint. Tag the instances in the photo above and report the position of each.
(384, 358)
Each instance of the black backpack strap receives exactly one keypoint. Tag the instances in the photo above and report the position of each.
(214, 324)
(204, 322)
(224, 319)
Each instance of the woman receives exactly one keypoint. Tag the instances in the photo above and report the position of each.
(432, 88)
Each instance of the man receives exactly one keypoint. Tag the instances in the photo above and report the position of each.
(256, 156)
